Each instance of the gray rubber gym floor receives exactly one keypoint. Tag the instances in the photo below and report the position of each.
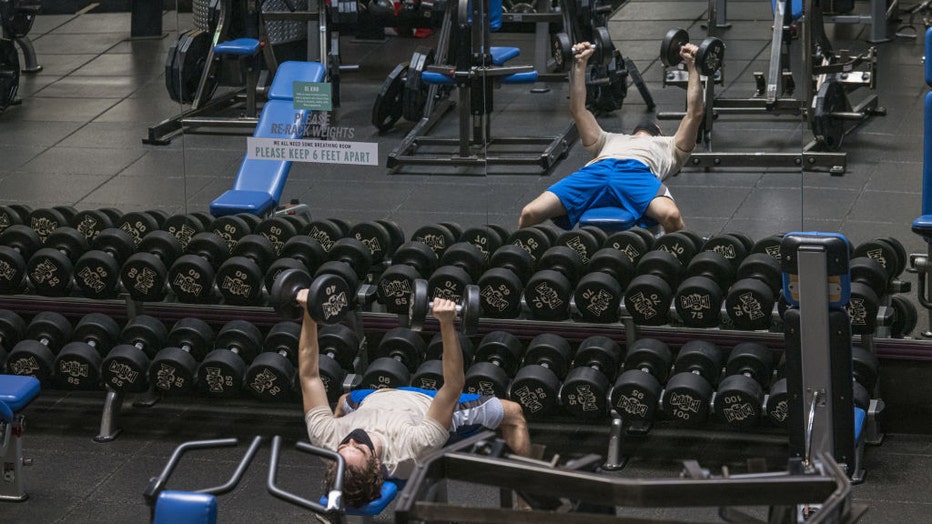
(76, 140)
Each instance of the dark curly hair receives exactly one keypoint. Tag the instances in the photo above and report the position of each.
(361, 485)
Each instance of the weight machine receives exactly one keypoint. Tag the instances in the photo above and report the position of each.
(799, 49)
(16, 20)
(247, 32)
(466, 60)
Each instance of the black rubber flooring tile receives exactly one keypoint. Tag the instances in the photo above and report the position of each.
(138, 66)
(45, 187)
(99, 87)
(44, 109)
(15, 156)
(660, 11)
(56, 65)
(884, 206)
(139, 192)
(82, 161)
(106, 135)
(97, 24)
(77, 44)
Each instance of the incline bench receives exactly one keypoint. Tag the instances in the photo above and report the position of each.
(259, 183)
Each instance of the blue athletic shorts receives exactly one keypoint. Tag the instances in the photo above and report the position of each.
(473, 412)
(625, 183)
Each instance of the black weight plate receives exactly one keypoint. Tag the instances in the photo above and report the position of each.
(9, 217)
(485, 378)
(599, 352)
(230, 228)
(417, 255)
(374, 236)
(739, 402)
(415, 90)
(598, 298)
(270, 378)
(448, 282)
(188, 64)
(777, 405)
(561, 51)
(429, 375)
(563, 259)
(97, 274)
(325, 232)
(191, 277)
(647, 300)
(686, 399)
(484, 238)
(629, 243)
(535, 388)
(868, 272)
(534, 240)
(615, 263)
(731, 247)
(124, 369)
(712, 265)
(862, 309)
(395, 287)
(681, 244)
(547, 295)
(385, 372)
(583, 242)
(769, 245)
(77, 367)
(22, 239)
(635, 395)
(749, 304)
(173, 371)
(277, 230)
(354, 253)
(883, 252)
(698, 302)
(464, 255)
(183, 227)
(905, 316)
(604, 48)
(330, 298)
(143, 277)
(389, 102)
(752, 359)
(710, 56)
(437, 237)
(500, 293)
(138, 224)
(902, 256)
(670, 46)
(515, 259)
(221, 373)
(46, 220)
(828, 129)
(49, 271)
(91, 222)
(283, 292)
(306, 250)
(762, 267)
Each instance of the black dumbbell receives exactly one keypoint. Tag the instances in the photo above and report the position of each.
(299, 252)
(548, 292)
(125, 367)
(46, 220)
(709, 57)
(397, 356)
(683, 244)
(438, 237)
(649, 295)
(17, 244)
(868, 286)
(750, 300)
(14, 215)
(330, 297)
(739, 400)
(97, 272)
(698, 299)
(769, 245)
(429, 374)
(496, 360)
(486, 239)
(586, 387)
(561, 48)
(382, 237)
(536, 386)
(411, 261)
(174, 368)
(231, 228)
(272, 376)
(79, 362)
(467, 309)
(191, 276)
(687, 396)
(501, 287)
(140, 223)
(535, 240)
(637, 390)
(240, 278)
(326, 232)
(634, 242)
(732, 246)
(184, 226)
(12, 327)
(599, 292)
(222, 370)
(865, 366)
(585, 241)
(144, 274)
(887, 252)
(460, 266)
(91, 222)
(905, 316)
(278, 229)
(50, 269)
(339, 346)
(35, 354)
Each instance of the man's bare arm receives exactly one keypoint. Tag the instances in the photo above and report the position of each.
(688, 130)
(447, 397)
(312, 387)
(589, 128)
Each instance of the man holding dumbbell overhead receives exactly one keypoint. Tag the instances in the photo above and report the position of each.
(628, 170)
(384, 433)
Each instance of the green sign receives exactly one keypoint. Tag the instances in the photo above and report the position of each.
(312, 95)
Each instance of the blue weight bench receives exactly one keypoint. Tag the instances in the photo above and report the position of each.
(16, 392)
(174, 507)
(259, 183)
(365, 513)
(246, 51)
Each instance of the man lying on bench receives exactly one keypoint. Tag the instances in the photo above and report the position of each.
(628, 170)
(385, 434)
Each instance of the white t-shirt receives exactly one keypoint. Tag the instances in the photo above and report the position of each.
(398, 418)
(659, 153)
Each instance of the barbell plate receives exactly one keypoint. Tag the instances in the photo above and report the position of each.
(329, 298)
(469, 311)
(283, 292)
(417, 306)
(827, 129)
(670, 46)
(603, 45)
(710, 56)
(561, 50)
(415, 90)
(388, 103)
